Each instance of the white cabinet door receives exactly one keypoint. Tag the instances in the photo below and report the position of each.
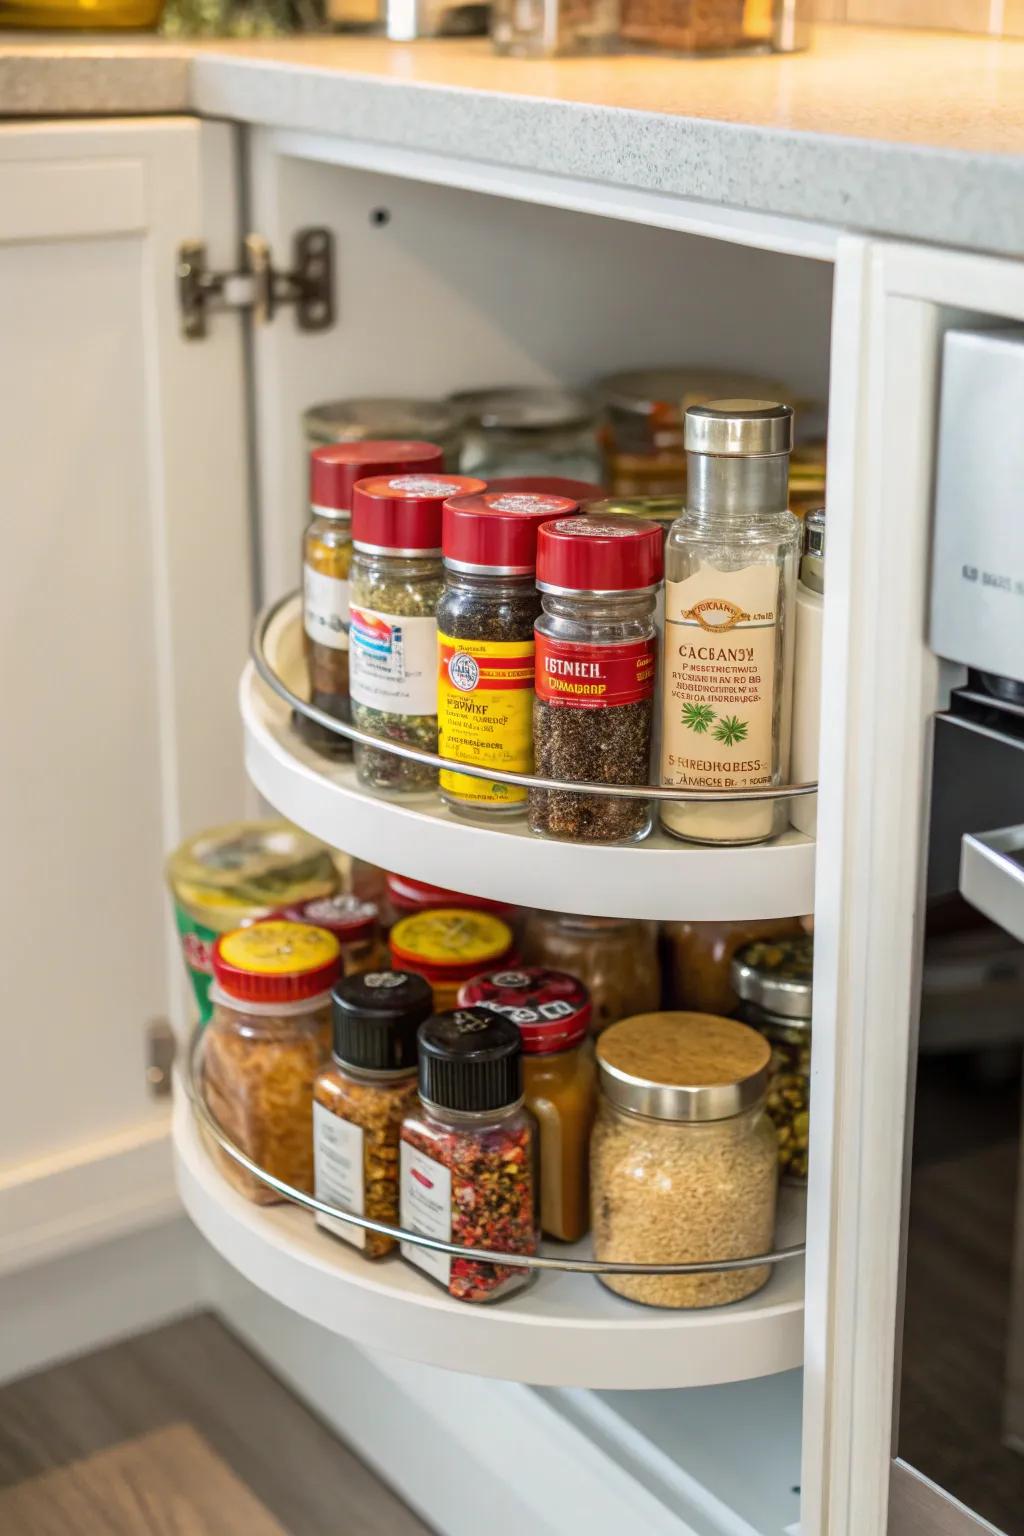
(125, 597)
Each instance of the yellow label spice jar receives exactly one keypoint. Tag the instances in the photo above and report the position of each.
(448, 946)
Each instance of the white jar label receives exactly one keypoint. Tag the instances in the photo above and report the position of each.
(426, 1205)
(338, 1172)
(393, 662)
(325, 610)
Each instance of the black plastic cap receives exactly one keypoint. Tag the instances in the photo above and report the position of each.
(470, 1060)
(376, 1017)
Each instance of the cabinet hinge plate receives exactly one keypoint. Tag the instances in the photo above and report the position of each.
(257, 285)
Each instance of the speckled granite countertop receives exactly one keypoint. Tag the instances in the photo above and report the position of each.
(910, 134)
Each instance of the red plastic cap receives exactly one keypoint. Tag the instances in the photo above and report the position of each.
(403, 511)
(344, 915)
(276, 961)
(550, 1008)
(580, 491)
(335, 468)
(409, 895)
(599, 554)
(497, 530)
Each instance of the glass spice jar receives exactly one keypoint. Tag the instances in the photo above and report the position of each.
(355, 924)
(527, 29)
(326, 562)
(267, 1039)
(408, 896)
(447, 946)
(774, 980)
(684, 1162)
(485, 621)
(551, 1011)
(698, 959)
(370, 418)
(616, 958)
(595, 674)
(528, 430)
(396, 584)
(695, 26)
(361, 1099)
(469, 1155)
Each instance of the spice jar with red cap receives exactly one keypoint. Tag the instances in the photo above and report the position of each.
(551, 1010)
(268, 1038)
(327, 557)
(485, 625)
(596, 662)
(396, 585)
(355, 924)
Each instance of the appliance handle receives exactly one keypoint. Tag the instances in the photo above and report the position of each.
(993, 881)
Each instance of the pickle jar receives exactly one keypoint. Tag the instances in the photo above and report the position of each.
(355, 924)
(551, 1010)
(327, 559)
(448, 946)
(773, 979)
(616, 958)
(268, 1038)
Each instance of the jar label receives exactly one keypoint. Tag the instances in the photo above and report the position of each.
(392, 662)
(325, 609)
(582, 676)
(338, 1172)
(426, 1207)
(485, 714)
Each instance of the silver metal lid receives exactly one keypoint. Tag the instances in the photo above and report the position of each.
(814, 533)
(523, 408)
(361, 419)
(739, 428)
(777, 975)
(683, 1066)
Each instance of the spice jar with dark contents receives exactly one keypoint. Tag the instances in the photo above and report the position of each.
(327, 558)
(396, 584)
(268, 1038)
(469, 1155)
(449, 945)
(595, 674)
(354, 923)
(774, 979)
(551, 1011)
(485, 625)
(616, 958)
(698, 959)
(361, 1099)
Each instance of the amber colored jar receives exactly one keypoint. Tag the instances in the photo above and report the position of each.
(448, 946)
(616, 958)
(698, 957)
(551, 1011)
(95, 16)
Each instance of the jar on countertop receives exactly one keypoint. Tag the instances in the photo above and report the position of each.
(449, 945)
(774, 980)
(616, 958)
(366, 419)
(362, 1097)
(529, 430)
(469, 1155)
(268, 1038)
(684, 1160)
(551, 1011)
(355, 924)
(529, 29)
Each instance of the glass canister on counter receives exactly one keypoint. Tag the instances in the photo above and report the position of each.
(469, 1155)
(616, 958)
(449, 945)
(595, 674)
(485, 623)
(326, 563)
(551, 1010)
(684, 1161)
(362, 1097)
(354, 923)
(268, 1038)
(397, 581)
(371, 418)
(695, 26)
(528, 29)
(774, 980)
(529, 431)
(698, 959)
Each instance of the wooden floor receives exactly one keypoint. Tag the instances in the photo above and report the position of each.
(180, 1432)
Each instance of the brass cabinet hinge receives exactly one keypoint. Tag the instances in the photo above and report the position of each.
(257, 285)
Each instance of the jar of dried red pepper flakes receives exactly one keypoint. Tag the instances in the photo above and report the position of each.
(469, 1156)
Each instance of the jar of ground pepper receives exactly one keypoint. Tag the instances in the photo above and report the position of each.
(361, 1099)
(267, 1040)
(774, 980)
(485, 621)
(396, 585)
(616, 958)
(469, 1155)
(449, 945)
(595, 671)
(355, 924)
(551, 1011)
(327, 557)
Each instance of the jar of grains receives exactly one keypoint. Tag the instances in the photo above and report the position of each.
(361, 1099)
(595, 670)
(355, 924)
(684, 1166)
(698, 959)
(616, 958)
(327, 558)
(551, 1011)
(485, 621)
(447, 946)
(396, 584)
(774, 980)
(469, 1155)
(268, 1038)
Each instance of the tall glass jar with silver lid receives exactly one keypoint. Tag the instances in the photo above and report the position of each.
(529, 431)
(730, 578)
(773, 978)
